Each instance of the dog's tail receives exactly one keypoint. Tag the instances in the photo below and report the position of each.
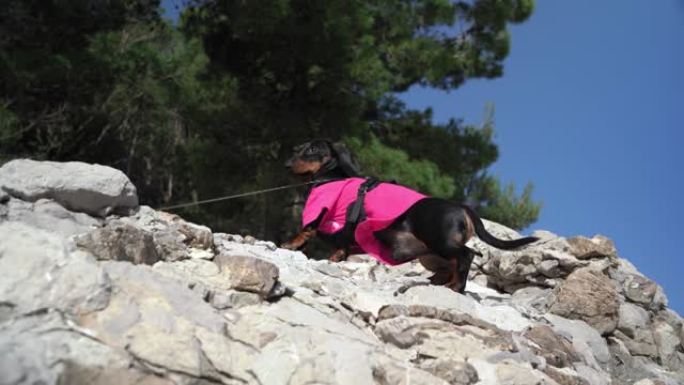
(488, 238)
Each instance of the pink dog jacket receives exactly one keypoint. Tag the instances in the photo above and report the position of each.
(383, 204)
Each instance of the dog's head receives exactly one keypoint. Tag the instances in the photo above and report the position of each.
(319, 156)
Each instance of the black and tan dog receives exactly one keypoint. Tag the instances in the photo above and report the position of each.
(432, 230)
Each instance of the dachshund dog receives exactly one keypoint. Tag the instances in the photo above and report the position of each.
(412, 225)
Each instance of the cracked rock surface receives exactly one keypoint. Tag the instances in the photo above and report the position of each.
(148, 298)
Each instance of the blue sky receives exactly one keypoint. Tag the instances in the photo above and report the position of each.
(590, 110)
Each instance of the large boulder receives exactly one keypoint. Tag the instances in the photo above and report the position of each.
(48, 348)
(120, 242)
(174, 238)
(632, 318)
(588, 296)
(642, 290)
(248, 273)
(166, 325)
(670, 347)
(557, 350)
(42, 271)
(540, 266)
(634, 332)
(596, 247)
(48, 215)
(93, 189)
(586, 341)
(637, 288)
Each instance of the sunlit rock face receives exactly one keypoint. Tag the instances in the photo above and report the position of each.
(106, 292)
(93, 189)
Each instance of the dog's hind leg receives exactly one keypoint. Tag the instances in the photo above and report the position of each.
(445, 271)
(449, 272)
(465, 257)
(435, 264)
(404, 244)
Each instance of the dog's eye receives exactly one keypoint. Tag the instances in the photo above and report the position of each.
(311, 150)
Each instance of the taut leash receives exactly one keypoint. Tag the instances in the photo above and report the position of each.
(228, 197)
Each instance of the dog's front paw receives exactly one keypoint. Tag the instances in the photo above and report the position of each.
(338, 256)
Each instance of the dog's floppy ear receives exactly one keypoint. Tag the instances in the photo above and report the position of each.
(345, 159)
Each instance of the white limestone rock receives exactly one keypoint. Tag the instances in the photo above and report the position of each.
(41, 270)
(93, 189)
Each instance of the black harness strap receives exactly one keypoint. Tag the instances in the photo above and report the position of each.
(356, 212)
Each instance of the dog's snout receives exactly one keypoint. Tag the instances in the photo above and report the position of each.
(288, 163)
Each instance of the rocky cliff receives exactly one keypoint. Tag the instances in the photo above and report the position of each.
(96, 290)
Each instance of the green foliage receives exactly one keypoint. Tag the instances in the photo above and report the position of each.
(324, 65)
(121, 101)
(154, 87)
(503, 205)
(391, 164)
(51, 82)
(444, 160)
(56, 26)
(458, 150)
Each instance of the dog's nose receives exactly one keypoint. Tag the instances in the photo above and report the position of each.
(288, 163)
